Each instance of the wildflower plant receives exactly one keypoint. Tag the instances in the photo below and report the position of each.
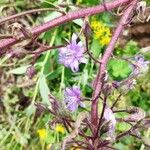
(89, 119)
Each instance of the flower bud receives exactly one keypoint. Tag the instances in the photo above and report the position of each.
(30, 72)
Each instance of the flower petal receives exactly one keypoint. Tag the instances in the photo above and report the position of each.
(84, 60)
(72, 98)
(74, 39)
(74, 66)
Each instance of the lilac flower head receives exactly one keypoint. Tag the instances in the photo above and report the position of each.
(141, 65)
(110, 117)
(73, 98)
(72, 55)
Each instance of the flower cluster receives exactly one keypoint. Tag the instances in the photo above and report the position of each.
(73, 98)
(73, 54)
(101, 32)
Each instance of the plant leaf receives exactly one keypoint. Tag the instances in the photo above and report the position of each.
(19, 70)
(44, 90)
(119, 69)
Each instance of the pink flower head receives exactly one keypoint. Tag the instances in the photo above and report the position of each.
(73, 98)
(72, 55)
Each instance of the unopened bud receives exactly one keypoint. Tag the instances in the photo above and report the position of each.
(87, 29)
(30, 72)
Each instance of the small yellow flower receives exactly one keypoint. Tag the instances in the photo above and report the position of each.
(105, 40)
(42, 133)
(101, 32)
(98, 34)
(59, 128)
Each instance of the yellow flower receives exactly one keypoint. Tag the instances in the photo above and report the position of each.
(59, 128)
(101, 32)
(42, 133)
(98, 34)
(104, 41)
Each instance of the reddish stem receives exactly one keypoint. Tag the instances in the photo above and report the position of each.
(63, 19)
(105, 58)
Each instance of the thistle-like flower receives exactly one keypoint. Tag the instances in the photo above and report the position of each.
(73, 98)
(72, 55)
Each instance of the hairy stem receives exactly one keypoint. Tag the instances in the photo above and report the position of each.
(105, 58)
(63, 19)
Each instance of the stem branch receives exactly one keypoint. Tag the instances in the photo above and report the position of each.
(81, 13)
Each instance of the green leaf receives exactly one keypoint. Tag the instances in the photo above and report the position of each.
(30, 110)
(119, 69)
(79, 22)
(54, 74)
(95, 48)
(123, 126)
(50, 137)
(84, 78)
(121, 146)
(44, 90)
(131, 48)
(19, 70)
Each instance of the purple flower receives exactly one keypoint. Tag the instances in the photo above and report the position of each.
(110, 118)
(141, 65)
(73, 98)
(72, 55)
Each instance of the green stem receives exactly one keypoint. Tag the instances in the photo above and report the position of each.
(4, 59)
(62, 81)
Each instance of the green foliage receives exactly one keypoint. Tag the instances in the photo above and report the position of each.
(130, 49)
(140, 95)
(44, 90)
(119, 69)
(95, 48)
(123, 126)
(19, 70)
